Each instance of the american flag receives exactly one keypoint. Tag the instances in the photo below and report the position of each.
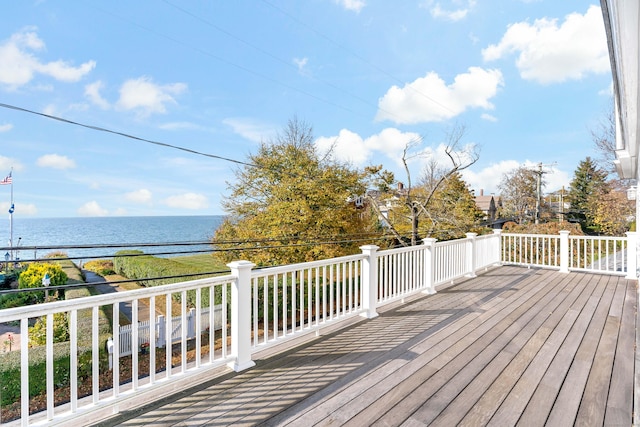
(8, 180)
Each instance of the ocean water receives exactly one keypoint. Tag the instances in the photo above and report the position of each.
(34, 237)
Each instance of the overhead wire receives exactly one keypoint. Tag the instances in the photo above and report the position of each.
(276, 58)
(231, 63)
(354, 54)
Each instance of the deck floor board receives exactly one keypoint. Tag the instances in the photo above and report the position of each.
(513, 346)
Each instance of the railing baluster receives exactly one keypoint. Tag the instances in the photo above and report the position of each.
(169, 335)
(95, 354)
(49, 363)
(134, 343)
(73, 343)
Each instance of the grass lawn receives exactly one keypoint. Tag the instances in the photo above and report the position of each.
(202, 262)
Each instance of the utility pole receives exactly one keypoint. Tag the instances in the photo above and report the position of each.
(561, 207)
(539, 172)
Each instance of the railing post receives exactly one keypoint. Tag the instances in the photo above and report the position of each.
(429, 265)
(498, 235)
(632, 255)
(564, 251)
(369, 281)
(162, 333)
(241, 315)
(471, 254)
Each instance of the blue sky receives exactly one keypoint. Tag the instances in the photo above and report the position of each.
(528, 80)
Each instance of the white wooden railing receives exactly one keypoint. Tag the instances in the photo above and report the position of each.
(595, 254)
(259, 308)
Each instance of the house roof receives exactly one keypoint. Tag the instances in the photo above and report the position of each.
(484, 202)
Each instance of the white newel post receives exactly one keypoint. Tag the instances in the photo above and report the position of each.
(471, 254)
(429, 265)
(498, 236)
(564, 251)
(632, 255)
(369, 281)
(241, 315)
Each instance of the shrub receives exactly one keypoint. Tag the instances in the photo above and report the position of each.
(103, 267)
(38, 332)
(32, 278)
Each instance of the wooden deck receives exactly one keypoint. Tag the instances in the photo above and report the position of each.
(513, 346)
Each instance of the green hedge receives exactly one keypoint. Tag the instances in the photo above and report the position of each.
(141, 267)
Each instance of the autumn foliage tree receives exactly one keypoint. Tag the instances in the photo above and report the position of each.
(290, 204)
(453, 211)
(518, 192)
(429, 208)
(610, 212)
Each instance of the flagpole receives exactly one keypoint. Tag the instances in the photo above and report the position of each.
(11, 218)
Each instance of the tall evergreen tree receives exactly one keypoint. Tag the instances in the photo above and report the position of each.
(588, 180)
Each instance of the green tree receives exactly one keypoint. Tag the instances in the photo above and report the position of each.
(588, 181)
(290, 204)
(518, 192)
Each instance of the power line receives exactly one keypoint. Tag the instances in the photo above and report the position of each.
(233, 64)
(126, 135)
(346, 49)
(278, 59)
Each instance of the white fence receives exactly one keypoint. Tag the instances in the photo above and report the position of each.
(159, 328)
(255, 309)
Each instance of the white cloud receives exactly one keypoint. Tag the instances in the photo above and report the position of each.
(251, 129)
(489, 178)
(92, 92)
(301, 64)
(549, 53)
(6, 127)
(92, 209)
(347, 147)
(146, 97)
(430, 99)
(191, 201)
(61, 70)
(351, 147)
(55, 161)
(19, 64)
(488, 117)
(139, 196)
(452, 15)
(50, 109)
(7, 164)
(355, 5)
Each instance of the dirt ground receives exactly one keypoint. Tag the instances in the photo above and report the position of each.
(7, 331)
